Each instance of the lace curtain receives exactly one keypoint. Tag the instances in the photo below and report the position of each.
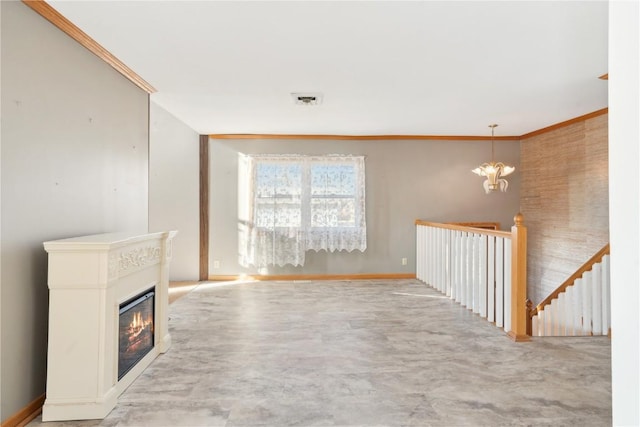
(290, 204)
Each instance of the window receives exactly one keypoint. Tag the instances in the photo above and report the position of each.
(290, 204)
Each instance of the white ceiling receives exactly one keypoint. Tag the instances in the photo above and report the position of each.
(430, 68)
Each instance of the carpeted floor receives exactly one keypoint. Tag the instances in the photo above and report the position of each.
(357, 353)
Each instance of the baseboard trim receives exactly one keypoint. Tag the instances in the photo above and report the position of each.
(359, 276)
(26, 414)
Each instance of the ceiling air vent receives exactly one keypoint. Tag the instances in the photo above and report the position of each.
(307, 98)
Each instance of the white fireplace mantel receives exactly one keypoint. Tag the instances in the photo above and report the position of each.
(89, 277)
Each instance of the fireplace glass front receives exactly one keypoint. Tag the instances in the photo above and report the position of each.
(135, 330)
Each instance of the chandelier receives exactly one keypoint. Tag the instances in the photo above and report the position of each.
(494, 171)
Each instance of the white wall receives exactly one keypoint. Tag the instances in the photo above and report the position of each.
(406, 180)
(174, 181)
(624, 208)
(74, 162)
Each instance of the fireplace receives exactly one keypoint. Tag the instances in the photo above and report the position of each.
(117, 284)
(135, 336)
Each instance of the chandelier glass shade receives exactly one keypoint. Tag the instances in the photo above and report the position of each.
(494, 171)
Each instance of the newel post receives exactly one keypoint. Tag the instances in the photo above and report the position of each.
(518, 330)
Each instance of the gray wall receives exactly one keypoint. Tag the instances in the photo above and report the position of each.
(406, 180)
(74, 162)
(174, 198)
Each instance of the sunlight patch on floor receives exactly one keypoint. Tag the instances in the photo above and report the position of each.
(419, 295)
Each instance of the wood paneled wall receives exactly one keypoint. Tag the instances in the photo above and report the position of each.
(564, 198)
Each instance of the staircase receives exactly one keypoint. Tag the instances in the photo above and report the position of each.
(580, 306)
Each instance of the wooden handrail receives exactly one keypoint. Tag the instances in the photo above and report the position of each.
(606, 250)
(483, 225)
(485, 231)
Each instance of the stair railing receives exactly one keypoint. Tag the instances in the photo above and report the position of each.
(580, 305)
(483, 270)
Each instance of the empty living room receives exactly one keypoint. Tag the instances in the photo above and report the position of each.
(357, 213)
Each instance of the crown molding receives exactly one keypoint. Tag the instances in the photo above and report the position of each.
(52, 15)
(366, 137)
(565, 123)
(416, 137)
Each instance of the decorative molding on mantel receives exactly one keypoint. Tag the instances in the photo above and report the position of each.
(132, 260)
(52, 15)
(139, 257)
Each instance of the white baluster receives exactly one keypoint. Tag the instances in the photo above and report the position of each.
(434, 271)
(507, 285)
(472, 259)
(577, 308)
(433, 257)
(553, 307)
(542, 321)
(436, 277)
(491, 278)
(454, 265)
(500, 282)
(548, 320)
(418, 253)
(606, 301)
(460, 274)
(473, 254)
(447, 264)
(483, 276)
(475, 274)
(457, 263)
(425, 273)
(452, 262)
(559, 325)
(423, 252)
(596, 298)
(440, 258)
(441, 278)
(534, 326)
(469, 268)
(569, 316)
(587, 308)
(468, 263)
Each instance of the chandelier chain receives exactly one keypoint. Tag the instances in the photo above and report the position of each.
(493, 127)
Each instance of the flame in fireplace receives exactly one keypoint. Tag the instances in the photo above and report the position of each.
(138, 325)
